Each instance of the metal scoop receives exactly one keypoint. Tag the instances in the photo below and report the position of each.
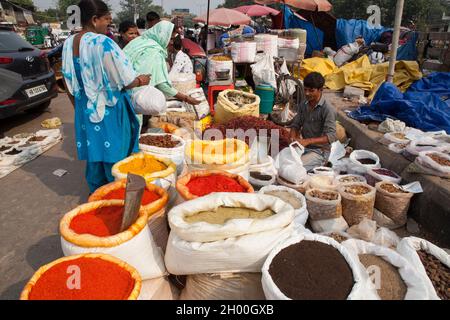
(133, 196)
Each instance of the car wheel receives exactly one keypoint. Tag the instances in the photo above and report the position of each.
(40, 108)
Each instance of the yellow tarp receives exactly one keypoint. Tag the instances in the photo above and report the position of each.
(362, 74)
(321, 65)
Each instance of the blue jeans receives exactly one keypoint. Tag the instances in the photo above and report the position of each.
(313, 158)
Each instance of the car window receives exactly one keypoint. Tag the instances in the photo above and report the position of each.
(10, 41)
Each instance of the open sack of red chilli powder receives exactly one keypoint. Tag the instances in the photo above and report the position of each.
(201, 183)
(84, 277)
(94, 227)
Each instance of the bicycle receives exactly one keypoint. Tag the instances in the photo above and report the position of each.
(288, 95)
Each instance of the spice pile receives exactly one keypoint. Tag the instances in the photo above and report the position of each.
(13, 152)
(389, 187)
(162, 141)
(223, 214)
(440, 160)
(4, 148)
(37, 139)
(238, 99)
(248, 123)
(392, 286)
(220, 58)
(367, 161)
(357, 190)
(438, 273)
(119, 194)
(201, 186)
(101, 222)
(385, 172)
(101, 280)
(324, 195)
(259, 176)
(312, 270)
(142, 166)
(338, 237)
(350, 179)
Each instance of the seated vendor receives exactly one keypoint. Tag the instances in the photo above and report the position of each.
(315, 124)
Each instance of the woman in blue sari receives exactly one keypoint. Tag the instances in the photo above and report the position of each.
(97, 75)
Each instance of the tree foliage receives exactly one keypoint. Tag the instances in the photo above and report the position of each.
(142, 8)
(236, 3)
(421, 12)
(27, 4)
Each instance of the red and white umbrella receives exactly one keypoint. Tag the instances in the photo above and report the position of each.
(310, 5)
(257, 10)
(224, 17)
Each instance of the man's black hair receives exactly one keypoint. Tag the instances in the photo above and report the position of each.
(140, 23)
(152, 16)
(314, 80)
(125, 25)
(177, 43)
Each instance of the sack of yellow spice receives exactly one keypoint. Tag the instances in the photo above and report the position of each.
(159, 171)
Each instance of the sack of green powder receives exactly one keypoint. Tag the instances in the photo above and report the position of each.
(408, 284)
(276, 214)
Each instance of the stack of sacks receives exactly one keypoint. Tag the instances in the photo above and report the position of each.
(222, 240)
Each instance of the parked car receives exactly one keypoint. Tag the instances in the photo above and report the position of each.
(35, 84)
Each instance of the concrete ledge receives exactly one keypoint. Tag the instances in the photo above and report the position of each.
(431, 209)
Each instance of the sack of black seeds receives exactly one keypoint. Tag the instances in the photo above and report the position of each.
(223, 286)
(314, 267)
(430, 261)
(392, 275)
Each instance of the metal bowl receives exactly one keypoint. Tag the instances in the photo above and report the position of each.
(223, 74)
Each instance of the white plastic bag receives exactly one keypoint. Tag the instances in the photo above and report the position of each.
(264, 71)
(329, 225)
(239, 254)
(424, 144)
(289, 164)
(386, 238)
(301, 214)
(413, 280)
(207, 232)
(392, 138)
(365, 230)
(408, 248)
(426, 160)
(345, 53)
(360, 291)
(149, 101)
(390, 125)
(364, 154)
(384, 221)
(141, 252)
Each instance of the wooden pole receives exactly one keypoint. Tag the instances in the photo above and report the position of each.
(395, 40)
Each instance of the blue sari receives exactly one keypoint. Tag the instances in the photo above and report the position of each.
(106, 126)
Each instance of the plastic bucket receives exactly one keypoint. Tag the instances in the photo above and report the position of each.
(267, 95)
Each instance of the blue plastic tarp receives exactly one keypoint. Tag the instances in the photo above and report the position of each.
(438, 83)
(418, 109)
(314, 37)
(408, 51)
(348, 30)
